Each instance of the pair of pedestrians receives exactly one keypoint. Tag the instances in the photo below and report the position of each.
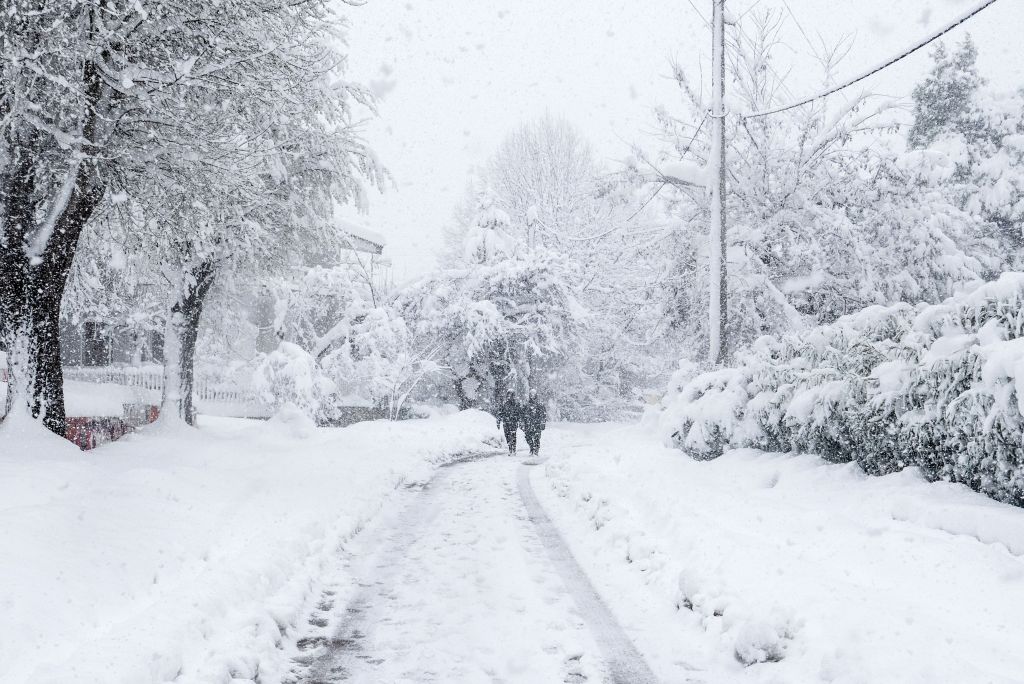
(532, 417)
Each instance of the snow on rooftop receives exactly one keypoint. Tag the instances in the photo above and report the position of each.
(362, 232)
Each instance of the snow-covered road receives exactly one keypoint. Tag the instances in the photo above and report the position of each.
(468, 582)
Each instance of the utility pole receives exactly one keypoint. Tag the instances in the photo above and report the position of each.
(718, 347)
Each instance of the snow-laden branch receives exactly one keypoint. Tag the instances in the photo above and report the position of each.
(685, 173)
(37, 245)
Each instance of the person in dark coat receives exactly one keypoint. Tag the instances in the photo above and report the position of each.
(509, 416)
(535, 419)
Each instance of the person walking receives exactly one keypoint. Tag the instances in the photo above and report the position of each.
(509, 415)
(535, 419)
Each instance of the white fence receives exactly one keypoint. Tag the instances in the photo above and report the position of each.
(146, 377)
(152, 378)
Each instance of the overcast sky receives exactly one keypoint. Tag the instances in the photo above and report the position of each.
(455, 75)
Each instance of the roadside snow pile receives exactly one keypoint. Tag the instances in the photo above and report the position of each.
(940, 387)
(189, 555)
(760, 567)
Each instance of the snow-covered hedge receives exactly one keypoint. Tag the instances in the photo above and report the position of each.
(940, 387)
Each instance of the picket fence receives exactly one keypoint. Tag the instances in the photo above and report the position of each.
(152, 378)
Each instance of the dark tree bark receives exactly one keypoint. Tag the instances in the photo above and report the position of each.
(460, 392)
(31, 290)
(180, 342)
(46, 291)
(31, 287)
(17, 192)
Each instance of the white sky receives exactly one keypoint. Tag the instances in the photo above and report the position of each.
(455, 76)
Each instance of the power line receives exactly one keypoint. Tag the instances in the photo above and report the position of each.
(874, 70)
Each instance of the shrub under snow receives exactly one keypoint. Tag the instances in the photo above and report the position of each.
(289, 377)
(940, 387)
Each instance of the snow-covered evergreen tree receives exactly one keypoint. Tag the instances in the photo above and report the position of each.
(968, 143)
(946, 101)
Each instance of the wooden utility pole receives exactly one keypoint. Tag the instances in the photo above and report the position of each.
(718, 305)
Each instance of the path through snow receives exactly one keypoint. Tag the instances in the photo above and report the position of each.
(467, 584)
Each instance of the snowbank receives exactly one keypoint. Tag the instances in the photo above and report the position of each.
(758, 567)
(189, 556)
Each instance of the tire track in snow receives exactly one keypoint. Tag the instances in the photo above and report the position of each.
(624, 662)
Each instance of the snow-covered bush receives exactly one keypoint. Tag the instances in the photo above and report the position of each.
(381, 360)
(290, 376)
(967, 392)
(940, 387)
(709, 409)
(355, 336)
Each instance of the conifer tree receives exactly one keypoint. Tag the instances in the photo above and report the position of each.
(945, 101)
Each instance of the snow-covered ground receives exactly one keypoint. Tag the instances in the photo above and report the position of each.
(190, 556)
(221, 554)
(833, 575)
(457, 588)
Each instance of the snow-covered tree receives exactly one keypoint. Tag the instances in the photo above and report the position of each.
(83, 89)
(969, 144)
(362, 344)
(544, 180)
(824, 217)
(318, 310)
(543, 190)
(213, 118)
(946, 101)
(264, 199)
(380, 359)
(505, 318)
(111, 284)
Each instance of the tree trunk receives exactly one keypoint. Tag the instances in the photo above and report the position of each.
(48, 386)
(35, 261)
(180, 344)
(32, 287)
(17, 192)
(460, 392)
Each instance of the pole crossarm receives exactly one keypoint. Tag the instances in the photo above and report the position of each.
(935, 35)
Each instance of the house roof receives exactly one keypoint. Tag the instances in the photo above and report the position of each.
(361, 238)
